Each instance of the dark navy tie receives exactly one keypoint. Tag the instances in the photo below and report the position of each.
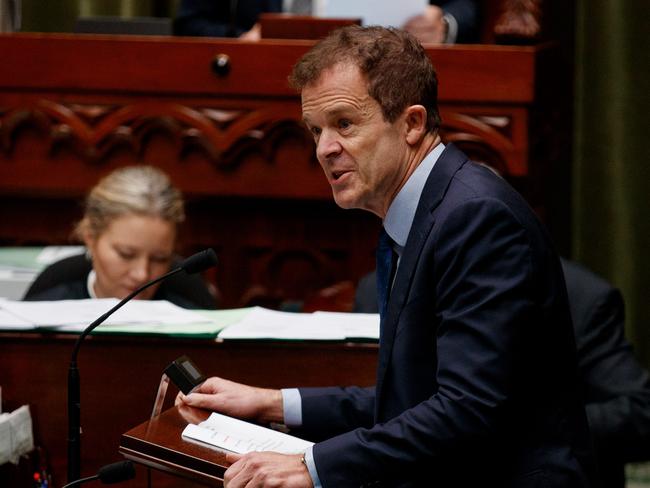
(385, 263)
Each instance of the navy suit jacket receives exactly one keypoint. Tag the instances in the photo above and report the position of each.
(476, 378)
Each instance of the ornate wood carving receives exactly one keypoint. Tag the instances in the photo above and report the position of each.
(223, 135)
(93, 132)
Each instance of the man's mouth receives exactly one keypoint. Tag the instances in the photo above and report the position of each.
(338, 174)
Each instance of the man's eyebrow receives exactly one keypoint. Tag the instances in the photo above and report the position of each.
(330, 113)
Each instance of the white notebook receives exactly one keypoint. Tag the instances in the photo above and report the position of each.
(241, 437)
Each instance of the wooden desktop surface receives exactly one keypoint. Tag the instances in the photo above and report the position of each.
(158, 444)
(120, 376)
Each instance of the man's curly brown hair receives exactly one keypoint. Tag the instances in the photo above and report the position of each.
(398, 70)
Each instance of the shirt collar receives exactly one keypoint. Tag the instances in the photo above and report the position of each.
(401, 212)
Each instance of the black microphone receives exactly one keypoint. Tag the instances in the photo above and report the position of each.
(109, 474)
(199, 262)
(194, 264)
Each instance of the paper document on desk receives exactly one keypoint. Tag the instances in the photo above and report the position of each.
(242, 437)
(353, 325)
(9, 321)
(262, 323)
(217, 320)
(75, 315)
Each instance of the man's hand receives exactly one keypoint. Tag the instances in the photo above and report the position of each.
(236, 400)
(429, 26)
(270, 469)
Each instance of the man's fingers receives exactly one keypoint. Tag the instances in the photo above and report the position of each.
(234, 475)
(200, 400)
(233, 457)
(180, 399)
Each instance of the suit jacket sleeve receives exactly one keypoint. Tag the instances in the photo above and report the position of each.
(467, 14)
(616, 387)
(332, 411)
(214, 18)
(480, 311)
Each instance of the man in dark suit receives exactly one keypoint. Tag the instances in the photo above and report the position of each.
(476, 379)
(614, 386)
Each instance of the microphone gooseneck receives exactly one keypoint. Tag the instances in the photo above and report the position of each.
(109, 474)
(116, 472)
(194, 264)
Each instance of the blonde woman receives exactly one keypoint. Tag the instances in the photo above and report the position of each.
(129, 229)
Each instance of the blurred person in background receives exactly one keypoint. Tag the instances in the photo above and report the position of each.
(450, 21)
(129, 229)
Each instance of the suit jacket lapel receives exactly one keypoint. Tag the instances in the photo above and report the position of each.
(434, 190)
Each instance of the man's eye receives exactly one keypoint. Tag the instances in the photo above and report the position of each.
(344, 123)
(125, 255)
(315, 131)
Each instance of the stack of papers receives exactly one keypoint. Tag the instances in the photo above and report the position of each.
(242, 437)
(262, 323)
(160, 317)
(137, 316)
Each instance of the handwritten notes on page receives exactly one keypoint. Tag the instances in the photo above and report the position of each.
(241, 437)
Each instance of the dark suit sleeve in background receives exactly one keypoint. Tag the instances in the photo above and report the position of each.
(220, 18)
(616, 388)
(467, 14)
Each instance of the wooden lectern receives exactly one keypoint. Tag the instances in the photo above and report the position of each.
(158, 444)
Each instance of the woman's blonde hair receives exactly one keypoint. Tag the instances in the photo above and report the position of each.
(140, 190)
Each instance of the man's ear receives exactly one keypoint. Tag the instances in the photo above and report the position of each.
(416, 123)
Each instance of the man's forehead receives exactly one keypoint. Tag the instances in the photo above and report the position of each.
(334, 89)
(335, 106)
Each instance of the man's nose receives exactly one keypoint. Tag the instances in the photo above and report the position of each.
(328, 146)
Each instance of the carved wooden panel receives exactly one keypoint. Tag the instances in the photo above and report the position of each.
(226, 136)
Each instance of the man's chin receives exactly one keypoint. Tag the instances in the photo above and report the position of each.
(345, 201)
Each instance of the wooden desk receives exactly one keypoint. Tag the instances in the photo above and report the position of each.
(120, 375)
